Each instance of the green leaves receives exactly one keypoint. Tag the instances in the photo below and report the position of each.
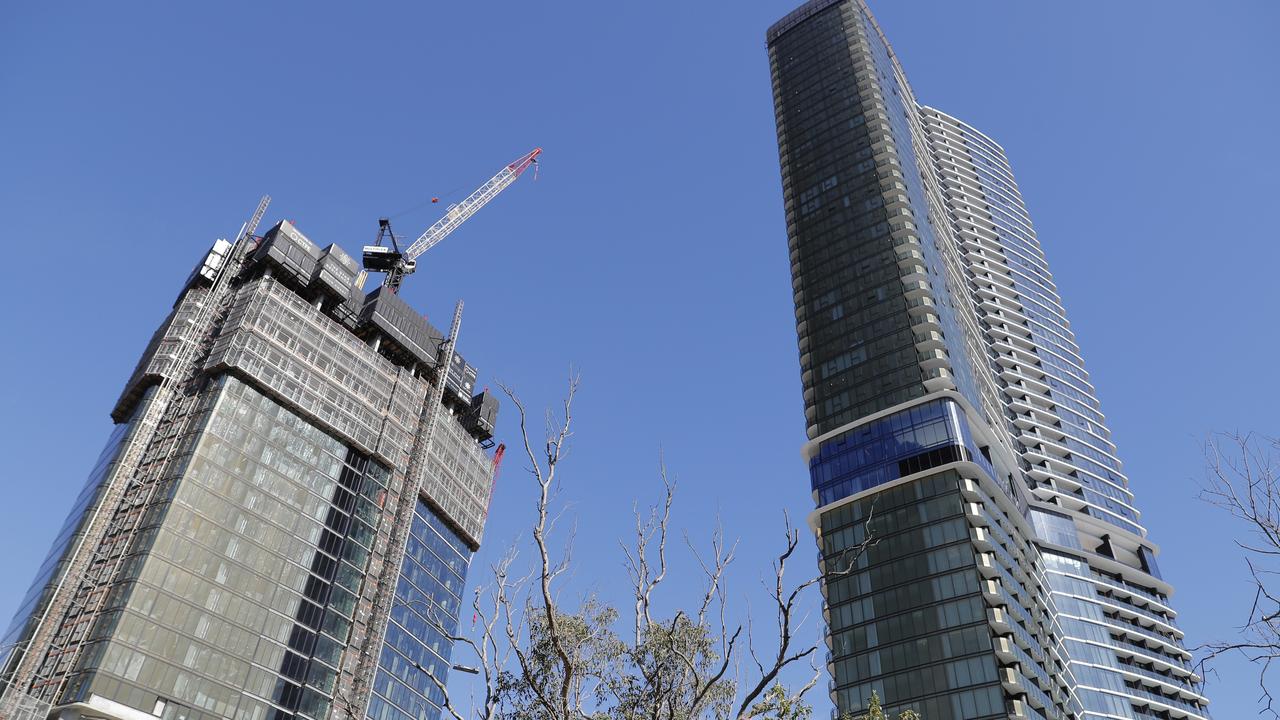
(876, 712)
(779, 704)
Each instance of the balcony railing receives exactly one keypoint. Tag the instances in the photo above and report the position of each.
(1149, 654)
(1131, 588)
(1172, 680)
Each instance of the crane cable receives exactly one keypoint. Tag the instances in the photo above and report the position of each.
(452, 193)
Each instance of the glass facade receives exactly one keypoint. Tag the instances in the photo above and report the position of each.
(428, 599)
(905, 443)
(51, 569)
(875, 290)
(944, 391)
(854, 323)
(1119, 631)
(908, 620)
(989, 208)
(240, 600)
(255, 548)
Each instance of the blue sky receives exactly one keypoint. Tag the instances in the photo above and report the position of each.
(650, 252)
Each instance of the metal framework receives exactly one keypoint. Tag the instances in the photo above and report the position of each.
(432, 409)
(45, 662)
(454, 216)
(81, 591)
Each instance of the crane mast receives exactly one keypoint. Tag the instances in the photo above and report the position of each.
(397, 264)
(46, 660)
(385, 597)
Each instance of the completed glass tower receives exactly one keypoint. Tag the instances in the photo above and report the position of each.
(949, 414)
(281, 524)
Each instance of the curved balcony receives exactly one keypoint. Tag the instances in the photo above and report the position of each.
(1126, 604)
(1129, 588)
(930, 359)
(1165, 702)
(916, 289)
(1063, 482)
(1171, 646)
(1154, 657)
(939, 379)
(1123, 607)
(929, 340)
(921, 305)
(1020, 376)
(1173, 682)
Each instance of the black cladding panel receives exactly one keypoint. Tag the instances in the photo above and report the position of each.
(384, 310)
(481, 418)
(290, 251)
(461, 379)
(335, 273)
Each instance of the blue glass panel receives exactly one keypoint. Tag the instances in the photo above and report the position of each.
(428, 598)
(870, 455)
(1057, 529)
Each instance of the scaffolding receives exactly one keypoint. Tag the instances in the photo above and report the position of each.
(109, 530)
(272, 311)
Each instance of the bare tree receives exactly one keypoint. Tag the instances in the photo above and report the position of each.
(490, 654)
(543, 657)
(1244, 479)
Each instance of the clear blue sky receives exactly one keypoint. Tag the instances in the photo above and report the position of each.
(650, 252)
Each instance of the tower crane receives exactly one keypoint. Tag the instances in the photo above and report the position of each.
(397, 264)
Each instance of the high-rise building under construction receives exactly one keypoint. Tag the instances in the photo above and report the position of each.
(949, 414)
(281, 523)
